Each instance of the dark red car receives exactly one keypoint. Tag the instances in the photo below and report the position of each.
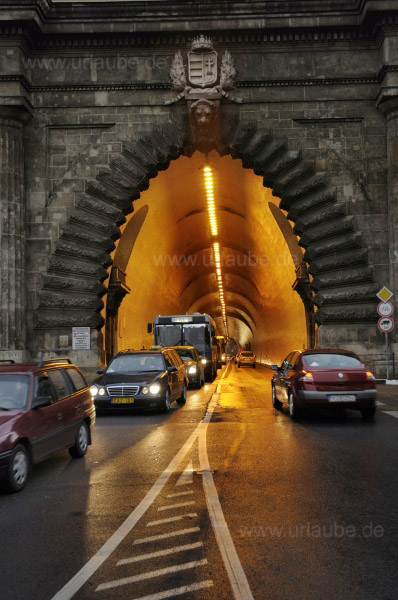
(44, 408)
(324, 378)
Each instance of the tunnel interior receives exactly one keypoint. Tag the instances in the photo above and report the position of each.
(207, 237)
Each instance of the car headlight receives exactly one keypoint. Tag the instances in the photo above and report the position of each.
(154, 388)
(192, 370)
(145, 390)
(223, 357)
(204, 361)
(94, 390)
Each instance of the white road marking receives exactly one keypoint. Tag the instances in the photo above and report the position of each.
(186, 477)
(393, 413)
(166, 552)
(180, 494)
(163, 536)
(82, 576)
(180, 505)
(237, 577)
(171, 519)
(151, 574)
(178, 591)
(380, 403)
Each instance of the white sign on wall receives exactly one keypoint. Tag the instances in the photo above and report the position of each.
(81, 338)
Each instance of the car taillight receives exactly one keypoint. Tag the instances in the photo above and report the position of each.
(370, 376)
(307, 378)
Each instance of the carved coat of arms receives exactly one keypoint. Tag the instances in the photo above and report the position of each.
(207, 84)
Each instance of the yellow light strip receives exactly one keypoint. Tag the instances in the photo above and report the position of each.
(211, 210)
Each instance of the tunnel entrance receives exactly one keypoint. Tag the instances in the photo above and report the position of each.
(166, 260)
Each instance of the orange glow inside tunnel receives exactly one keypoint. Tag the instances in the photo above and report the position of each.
(203, 238)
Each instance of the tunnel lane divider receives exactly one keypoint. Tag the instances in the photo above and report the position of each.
(236, 575)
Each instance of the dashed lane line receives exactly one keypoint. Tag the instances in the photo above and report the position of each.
(180, 494)
(163, 536)
(171, 506)
(178, 591)
(393, 413)
(151, 574)
(172, 519)
(158, 553)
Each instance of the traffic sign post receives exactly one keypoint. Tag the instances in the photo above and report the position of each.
(386, 323)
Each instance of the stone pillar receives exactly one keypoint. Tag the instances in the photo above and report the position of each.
(12, 234)
(388, 104)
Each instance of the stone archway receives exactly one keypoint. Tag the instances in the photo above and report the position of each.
(342, 279)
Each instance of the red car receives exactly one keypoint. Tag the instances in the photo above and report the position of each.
(324, 378)
(44, 408)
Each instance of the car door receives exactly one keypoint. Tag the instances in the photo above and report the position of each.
(75, 406)
(172, 377)
(63, 393)
(284, 378)
(46, 423)
(181, 372)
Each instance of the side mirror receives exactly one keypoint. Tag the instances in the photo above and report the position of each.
(172, 369)
(41, 401)
(274, 367)
(149, 328)
(100, 371)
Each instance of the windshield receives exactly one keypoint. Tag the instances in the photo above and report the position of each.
(169, 335)
(136, 363)
(13, 391)
(331, 361)
(198, 336)
(247, 354)
(187, 354)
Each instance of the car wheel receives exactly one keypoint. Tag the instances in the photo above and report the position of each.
(238, 366)
(368, 412)
(18, 469)
(254, 366)
(167, 402)
(294, 411)
(81, 442)
(181, 401)
(275, 402)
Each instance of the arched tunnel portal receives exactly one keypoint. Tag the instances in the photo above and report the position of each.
(274, 275)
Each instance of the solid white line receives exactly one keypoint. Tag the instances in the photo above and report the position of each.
(393, 413)
(237, 577)
(166, 552)
(151, 574)
(82, 576)
(163, 536)
(178, 591)
(179, 494)
(171, 519)
(180, 505)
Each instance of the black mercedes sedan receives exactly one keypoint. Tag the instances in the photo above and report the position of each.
(193, 363)
(144, 379)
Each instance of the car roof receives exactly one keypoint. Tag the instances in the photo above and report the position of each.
(13, 367)
(180, 348)
(145, 351)
(326, 351)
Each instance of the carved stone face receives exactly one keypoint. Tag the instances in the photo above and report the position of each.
(203, 114)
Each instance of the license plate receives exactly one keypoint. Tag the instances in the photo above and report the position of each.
(342, 398)
(122, 400)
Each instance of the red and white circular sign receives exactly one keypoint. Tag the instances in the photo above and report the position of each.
(386, 324)
(385, 309)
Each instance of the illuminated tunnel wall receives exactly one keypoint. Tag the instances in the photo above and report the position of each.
(168, 259)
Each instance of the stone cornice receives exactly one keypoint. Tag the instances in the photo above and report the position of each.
(178, 16)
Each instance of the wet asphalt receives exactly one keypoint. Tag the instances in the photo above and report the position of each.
(311, 506)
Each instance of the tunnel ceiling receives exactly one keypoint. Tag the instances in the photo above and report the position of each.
(171, 268)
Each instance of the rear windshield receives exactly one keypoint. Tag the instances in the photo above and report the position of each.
(136, 363)
(13, 391)
(187, 354)
(331, 361)
(247, 354)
